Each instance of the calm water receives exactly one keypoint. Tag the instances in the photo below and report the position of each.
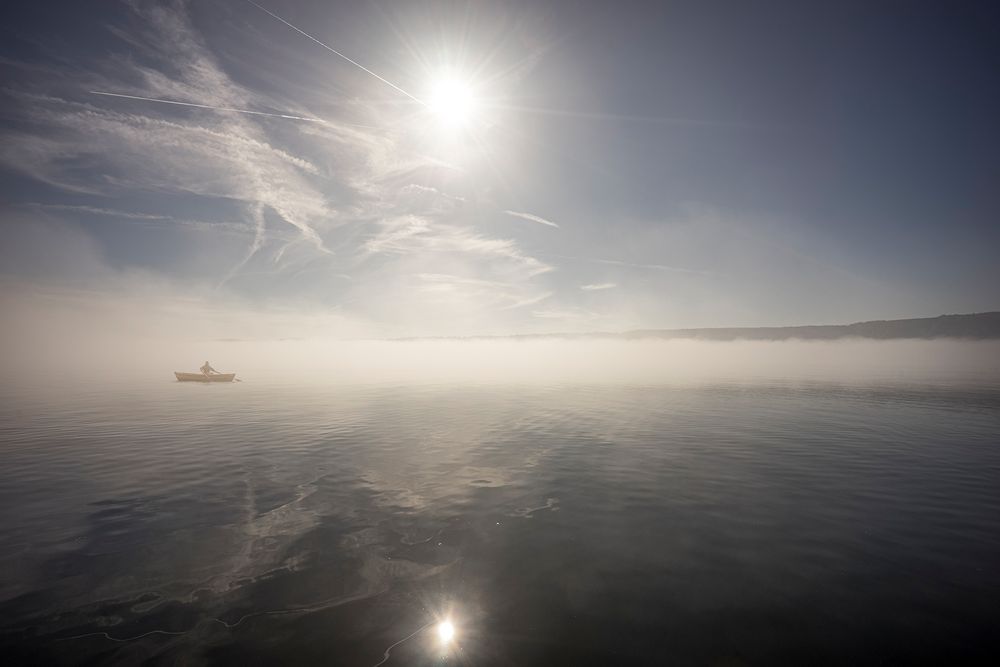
(718, 523)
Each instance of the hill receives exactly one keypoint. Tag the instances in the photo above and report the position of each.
(974, 326)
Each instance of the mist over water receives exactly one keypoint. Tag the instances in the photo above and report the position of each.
(561, 501)
(545, 361)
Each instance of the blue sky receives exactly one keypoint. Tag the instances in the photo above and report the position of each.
(625, 165)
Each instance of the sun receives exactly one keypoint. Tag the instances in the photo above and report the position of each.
(446, 631)
(452, 100)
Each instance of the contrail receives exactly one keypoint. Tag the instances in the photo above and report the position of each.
(208, 106)
(534, 218)
(336, 52)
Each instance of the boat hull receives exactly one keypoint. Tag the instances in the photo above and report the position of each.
(201, 377)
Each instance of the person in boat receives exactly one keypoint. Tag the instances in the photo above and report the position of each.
(208, 370)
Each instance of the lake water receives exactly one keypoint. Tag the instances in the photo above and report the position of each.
(747, 521)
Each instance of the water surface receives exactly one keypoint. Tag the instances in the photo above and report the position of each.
(728, 523)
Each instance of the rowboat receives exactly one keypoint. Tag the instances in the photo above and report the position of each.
(201, 377)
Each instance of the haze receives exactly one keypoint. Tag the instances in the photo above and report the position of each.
(128, 341)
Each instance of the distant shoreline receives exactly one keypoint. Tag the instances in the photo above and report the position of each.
(974, 326)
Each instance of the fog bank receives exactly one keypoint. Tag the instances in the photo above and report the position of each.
(145, 338)
(550, 361)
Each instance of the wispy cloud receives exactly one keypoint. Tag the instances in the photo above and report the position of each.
(412, 234)
(572, 314)
(95, 210)
(396, 234)
(214, 154)
(531, 300)
(533, 218)
(258, 242)
(504, 295)
(333, 196)
(226, 158)
(593, 287)
(153, 219)
(645, 266)
(653, 267)
(426, 189)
